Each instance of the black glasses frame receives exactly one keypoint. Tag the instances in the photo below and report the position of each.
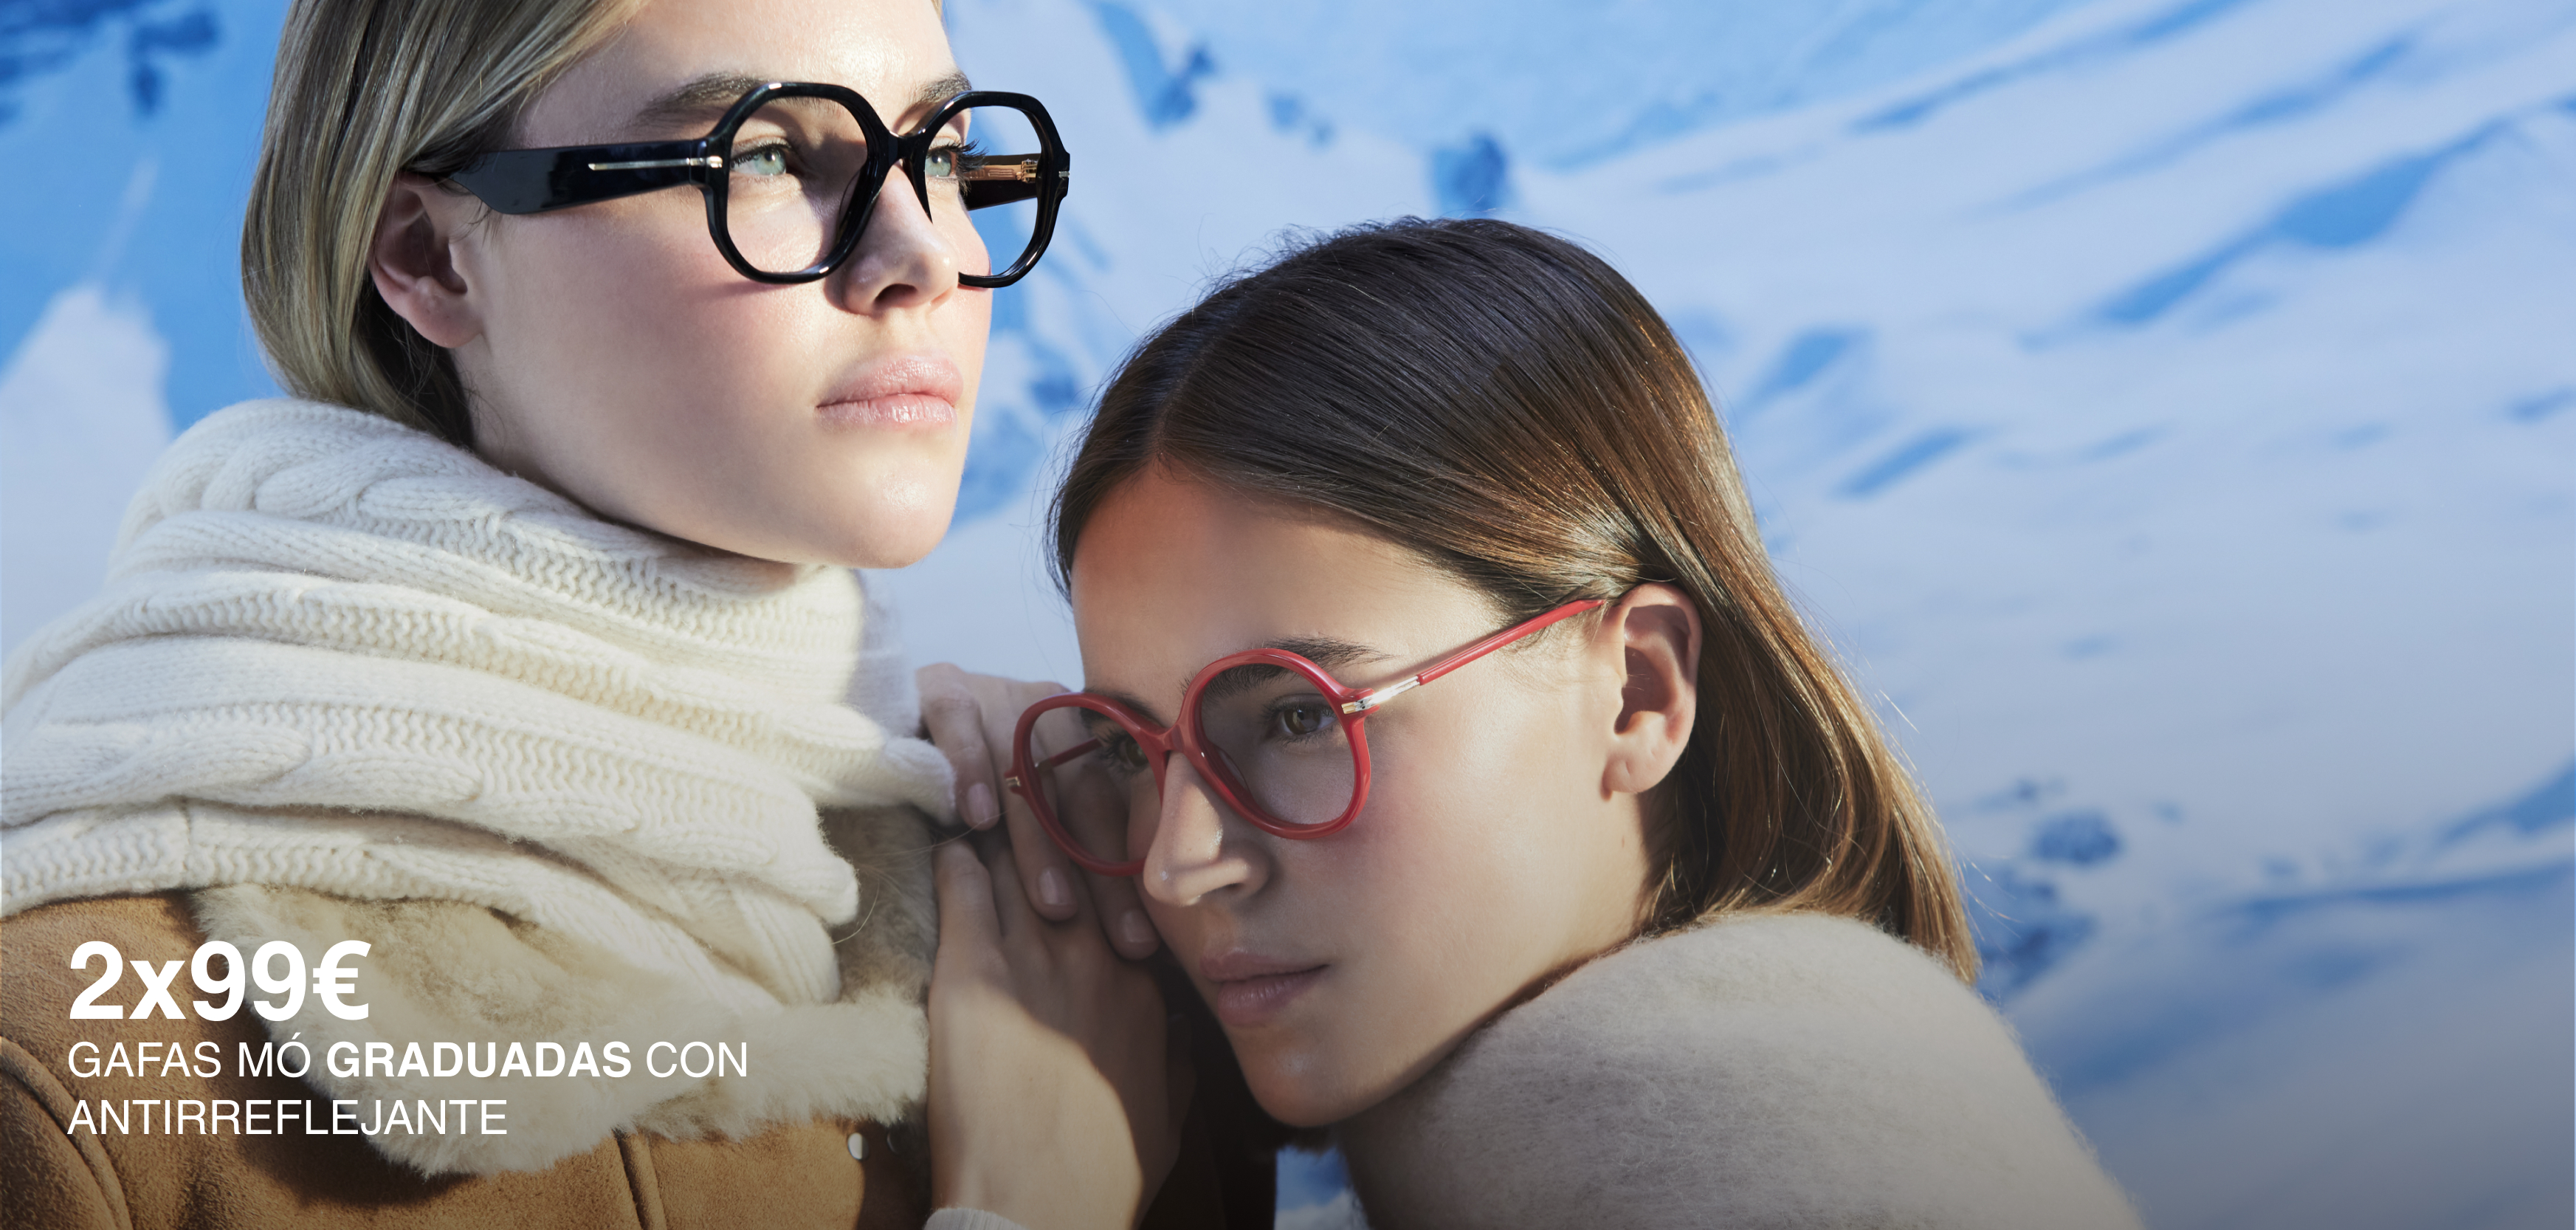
(527, 181)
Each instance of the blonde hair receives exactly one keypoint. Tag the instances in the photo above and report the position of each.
(365, 90)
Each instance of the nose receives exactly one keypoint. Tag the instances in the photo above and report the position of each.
(1198, 847)
(904, 260)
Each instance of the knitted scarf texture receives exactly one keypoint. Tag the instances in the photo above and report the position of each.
(337, 654)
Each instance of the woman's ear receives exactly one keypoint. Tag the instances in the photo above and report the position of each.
(1656, 631)
(412, 259)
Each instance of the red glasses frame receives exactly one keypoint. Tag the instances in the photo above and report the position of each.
(1351, 707)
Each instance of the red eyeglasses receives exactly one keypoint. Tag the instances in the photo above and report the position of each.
(1282, 743)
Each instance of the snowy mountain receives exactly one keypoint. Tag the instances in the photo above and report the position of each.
(2169, 405)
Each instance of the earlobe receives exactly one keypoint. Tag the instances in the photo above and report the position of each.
(1656, 630)
(412, 261)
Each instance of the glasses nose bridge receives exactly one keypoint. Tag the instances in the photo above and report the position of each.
(912, 157)
(907, 159)
(1165, 746)
(866, 192)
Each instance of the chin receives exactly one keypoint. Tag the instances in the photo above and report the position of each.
(903, 517)
(900, 522)
(863, 539)
(900, 541)
(1295, 1091)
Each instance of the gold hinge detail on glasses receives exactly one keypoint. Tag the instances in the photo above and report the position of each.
(1025, 170)
(655, 164)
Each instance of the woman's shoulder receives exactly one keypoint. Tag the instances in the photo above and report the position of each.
(1780, 983)
(1778, 1017)
(1772, 1069)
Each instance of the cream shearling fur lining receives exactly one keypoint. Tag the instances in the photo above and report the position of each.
(1763, 1071)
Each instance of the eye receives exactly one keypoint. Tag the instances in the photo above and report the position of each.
(1301, 719)
(951, 162)
(1123, 753)
(1118, 748)
(766, 159)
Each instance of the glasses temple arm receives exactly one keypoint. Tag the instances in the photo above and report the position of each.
(527, 181)
(1084, 748)
(1372, 699)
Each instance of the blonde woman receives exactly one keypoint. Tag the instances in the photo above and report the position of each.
(522, 650)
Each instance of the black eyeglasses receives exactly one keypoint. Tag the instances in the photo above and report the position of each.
(791, 174)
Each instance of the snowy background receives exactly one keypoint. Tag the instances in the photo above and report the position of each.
(2170, 405)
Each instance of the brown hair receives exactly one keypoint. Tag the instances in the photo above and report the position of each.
(366, 89)
(1503, 403)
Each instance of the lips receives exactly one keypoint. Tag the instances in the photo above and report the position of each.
(1249, 989)
(901, 391)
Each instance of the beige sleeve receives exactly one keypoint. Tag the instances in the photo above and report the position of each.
(47, 1176)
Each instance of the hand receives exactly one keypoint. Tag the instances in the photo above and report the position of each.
(971, 719)
(1056, 1098)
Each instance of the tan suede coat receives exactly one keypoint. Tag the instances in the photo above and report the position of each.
(792, 1176)
(801, 1175)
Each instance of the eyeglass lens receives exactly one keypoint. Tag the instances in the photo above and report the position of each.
(1273, 735)
(796, 163)
(1098, 796)
(992, 176)
(1278, 737)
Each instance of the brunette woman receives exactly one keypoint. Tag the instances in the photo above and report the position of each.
(1443, 704)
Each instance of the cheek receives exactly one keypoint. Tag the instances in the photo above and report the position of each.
(1437, 881)
(964, 325)
(634, 369)
(632, 313)
(1458, 890)
(1457, 807)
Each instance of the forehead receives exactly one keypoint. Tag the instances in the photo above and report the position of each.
(887, 50)
(1171, 575)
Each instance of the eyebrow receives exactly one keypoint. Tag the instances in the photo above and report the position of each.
(940, 91)
(1132, 701)
(718, 90)
(1328, 653)
(689, 100)
(1323, 651)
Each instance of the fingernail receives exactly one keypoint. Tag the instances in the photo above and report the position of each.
(1052, 891)
(980, 810)
(1136, 930)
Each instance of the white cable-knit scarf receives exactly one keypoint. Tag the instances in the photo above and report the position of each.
(337, 654)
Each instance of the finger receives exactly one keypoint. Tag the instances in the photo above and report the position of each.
(1122, 916)
(1046, 873)
(1098, 811)
(956, 724)
(1000, 702)
(967, 922)
(1010, 904)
